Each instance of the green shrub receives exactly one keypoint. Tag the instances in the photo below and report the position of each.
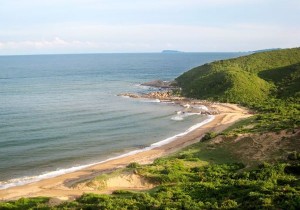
(294, 155)
(133, 165)
(26, 203)
(208, 136)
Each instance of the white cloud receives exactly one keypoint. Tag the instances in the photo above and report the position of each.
(54, 44)
(59, 45)
(59, 26)
(156, 37)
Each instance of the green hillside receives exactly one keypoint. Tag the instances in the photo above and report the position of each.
(267, 82)
(246, 80)
(286, 80)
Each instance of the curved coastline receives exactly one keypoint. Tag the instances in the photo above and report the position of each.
(62, 186)
(31, 179)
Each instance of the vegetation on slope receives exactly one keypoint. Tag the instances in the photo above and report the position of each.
(220, 186)
(246, 80)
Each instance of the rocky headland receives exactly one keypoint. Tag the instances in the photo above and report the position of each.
(188, 105)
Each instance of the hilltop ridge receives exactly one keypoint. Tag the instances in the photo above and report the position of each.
(247, 79)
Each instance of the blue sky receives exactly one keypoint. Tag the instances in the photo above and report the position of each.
(89, 26)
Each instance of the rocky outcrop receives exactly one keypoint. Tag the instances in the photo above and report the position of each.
(189, 105)
(160, 95)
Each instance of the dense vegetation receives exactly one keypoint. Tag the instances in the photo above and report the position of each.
(214, 175)
(248, 79)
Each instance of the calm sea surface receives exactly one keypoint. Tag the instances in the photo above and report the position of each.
(61, 112)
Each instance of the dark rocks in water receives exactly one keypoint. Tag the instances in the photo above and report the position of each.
(160, 84)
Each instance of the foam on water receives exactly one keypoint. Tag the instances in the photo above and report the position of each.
(192, 128)
(177, 118)
(201, 107)
(181, 116)
(150, 100)
(125, 96)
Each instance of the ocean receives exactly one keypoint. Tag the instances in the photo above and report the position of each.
(61, 113)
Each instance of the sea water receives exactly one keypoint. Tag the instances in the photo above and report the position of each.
(61, 113)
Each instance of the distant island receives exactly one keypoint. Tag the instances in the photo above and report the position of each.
(171, 51)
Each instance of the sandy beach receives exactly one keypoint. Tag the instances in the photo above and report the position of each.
(61, 186)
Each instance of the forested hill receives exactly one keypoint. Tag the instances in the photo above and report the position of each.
(246, 80)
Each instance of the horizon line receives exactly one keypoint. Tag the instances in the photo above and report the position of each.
(90, 53)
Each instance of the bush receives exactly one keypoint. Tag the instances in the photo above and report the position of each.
(208, 136)
(294, 156)
(133, 165)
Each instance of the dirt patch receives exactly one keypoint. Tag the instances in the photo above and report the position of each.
(54, 201)
(127, 181)
(256, 148)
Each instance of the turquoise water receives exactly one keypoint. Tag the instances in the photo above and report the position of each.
(59, 112)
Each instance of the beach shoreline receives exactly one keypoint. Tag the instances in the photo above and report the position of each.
(61, 186)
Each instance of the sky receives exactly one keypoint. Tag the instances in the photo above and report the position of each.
(117, 26)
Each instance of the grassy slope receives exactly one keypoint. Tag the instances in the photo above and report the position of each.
(247, 80)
